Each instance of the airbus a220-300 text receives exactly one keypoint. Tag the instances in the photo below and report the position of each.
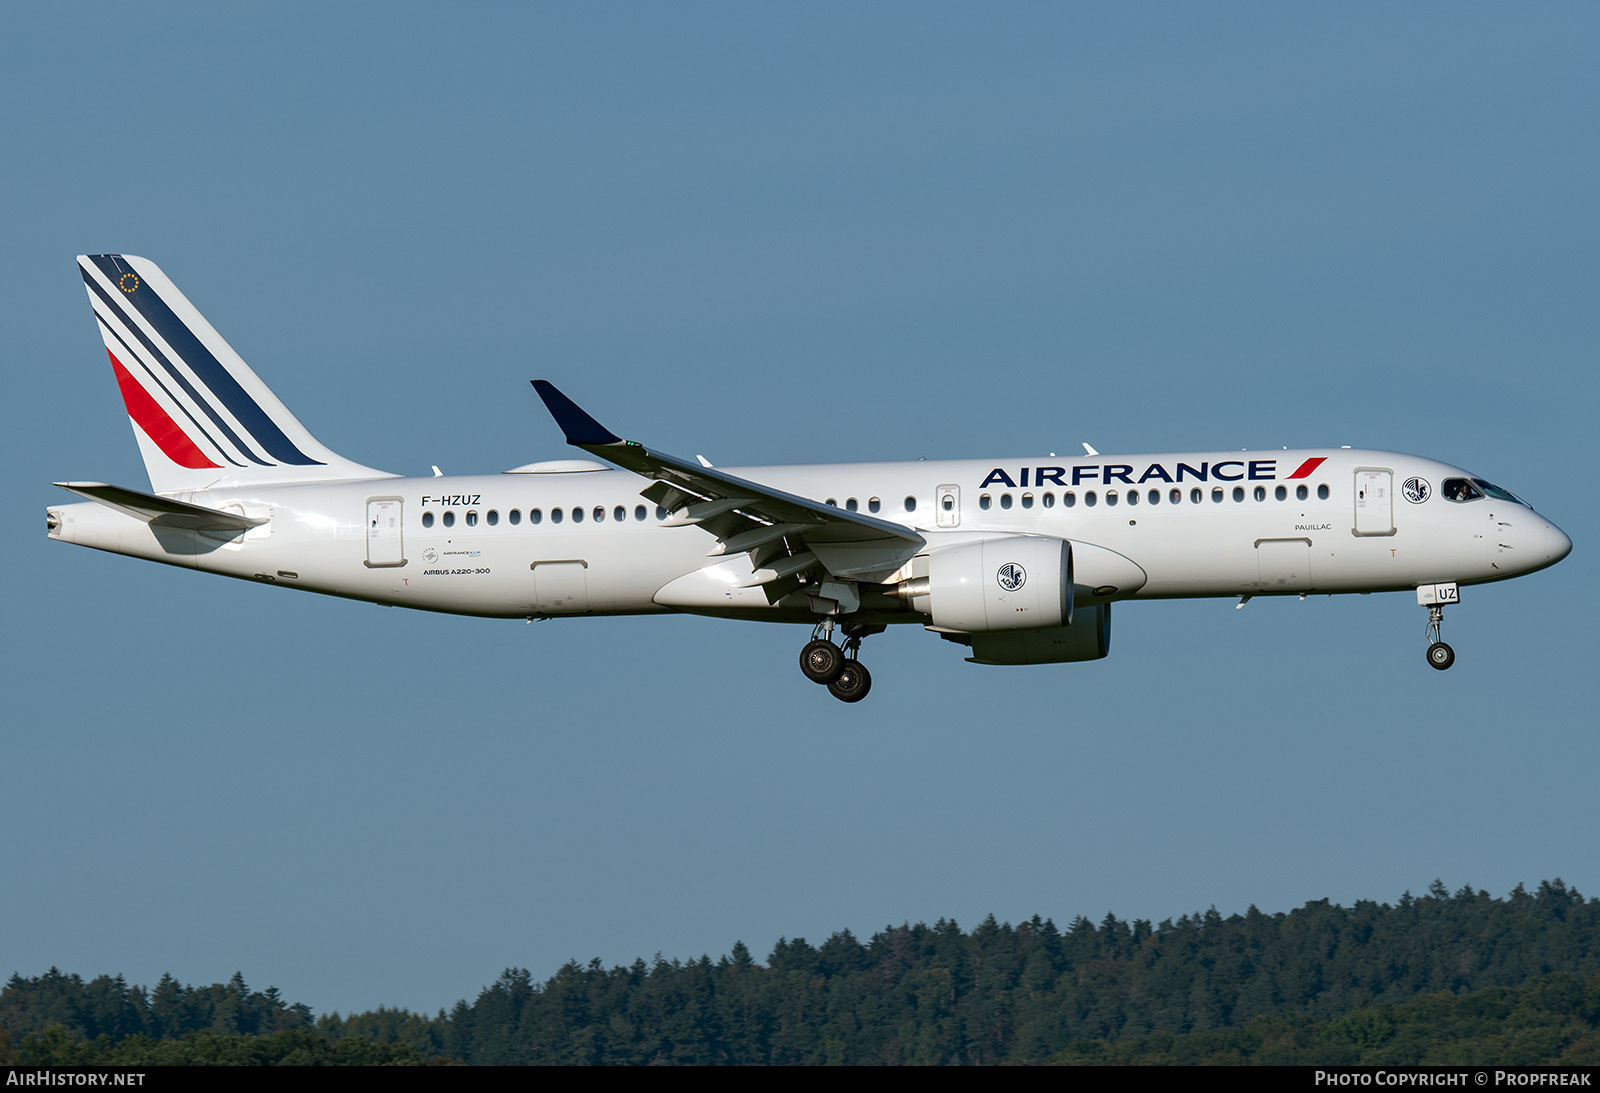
(1019, 559)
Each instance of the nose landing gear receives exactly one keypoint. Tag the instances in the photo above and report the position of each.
(846, 678)
(1440, 655)
(1434, 597)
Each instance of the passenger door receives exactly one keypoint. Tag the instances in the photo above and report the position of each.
(1374, 501)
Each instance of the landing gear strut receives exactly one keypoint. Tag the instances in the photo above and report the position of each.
(846, 678)
(1440, 655)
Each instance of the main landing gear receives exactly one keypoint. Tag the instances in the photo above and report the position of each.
(1440, 655)
(846, 678)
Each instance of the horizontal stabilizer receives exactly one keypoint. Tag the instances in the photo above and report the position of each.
(163, 511)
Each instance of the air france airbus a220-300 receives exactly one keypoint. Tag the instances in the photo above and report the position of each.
(1020, 559)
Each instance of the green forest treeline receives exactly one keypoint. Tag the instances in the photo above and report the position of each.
(1441, 978)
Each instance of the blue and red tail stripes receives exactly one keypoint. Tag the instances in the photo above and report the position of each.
(157, 425)
(202, 415)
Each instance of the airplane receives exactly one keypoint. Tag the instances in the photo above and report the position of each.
(1019, 559)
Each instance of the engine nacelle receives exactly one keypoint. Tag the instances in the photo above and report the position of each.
(1016, 582)
(1088, 638)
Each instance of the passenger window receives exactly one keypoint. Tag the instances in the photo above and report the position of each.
(911, 504)
(873, 504)
(1238, 493)
(448, 519)
(427, 519)
(1216, 494)
(1261, 493)
(1155, 497)
(949, 503)
(831, 501)
(535, 515)
(472, 519)
(850, 504)
(493, 517)
(1195, 495)
(1322, 492)
(1069, 499)
(515, 517)
(639, 512)
(1111, 497)
(1089, 499)
(1281, 493)
(1176, 497)
(1301, 493)
(983, 501)
(1027, 500)
(661, 513)
(1049, 500)
(1005, 500)
(619, 514)
(1133, 497)
(556, 516)
(577, 515)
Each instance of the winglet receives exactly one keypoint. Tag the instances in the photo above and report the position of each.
(581, 429)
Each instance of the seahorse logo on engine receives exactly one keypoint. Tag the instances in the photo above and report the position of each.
(1011, 576)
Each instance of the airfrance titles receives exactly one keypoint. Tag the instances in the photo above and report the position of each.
(1223, 470)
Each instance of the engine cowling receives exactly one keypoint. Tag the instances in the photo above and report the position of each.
(1015, 582)
(1088, 638)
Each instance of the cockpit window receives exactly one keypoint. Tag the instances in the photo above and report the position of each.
(1459, 489)
(1496, 492)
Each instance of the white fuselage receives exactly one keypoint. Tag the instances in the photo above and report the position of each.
(585, 542)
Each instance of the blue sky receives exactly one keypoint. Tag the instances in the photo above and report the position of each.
(770, 234)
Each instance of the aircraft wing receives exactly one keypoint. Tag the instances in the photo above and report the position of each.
(784, 534)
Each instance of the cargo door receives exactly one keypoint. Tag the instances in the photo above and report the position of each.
(1283, 565)
(561, 587)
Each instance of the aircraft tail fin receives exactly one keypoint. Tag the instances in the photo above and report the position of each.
(202, 417)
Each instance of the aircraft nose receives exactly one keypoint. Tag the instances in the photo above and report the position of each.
(1556, 544)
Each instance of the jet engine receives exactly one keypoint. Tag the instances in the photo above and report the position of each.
(1016, 582)
(1088, 638)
